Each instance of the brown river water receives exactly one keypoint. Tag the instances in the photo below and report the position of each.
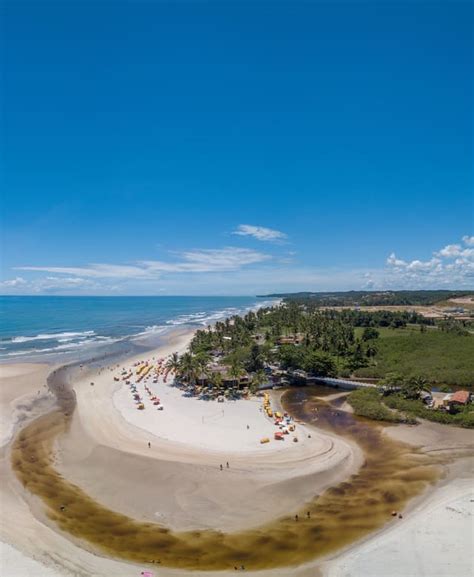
(392, 474)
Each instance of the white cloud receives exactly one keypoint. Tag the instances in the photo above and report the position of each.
(13, 283)
(196, 260)
(208, 260)
(450, 250)
(234, 270)
(229, 258)
(469, 240)
(47, 285)
(392, 260)
(453, 266)
(92, 270)
(260, 232)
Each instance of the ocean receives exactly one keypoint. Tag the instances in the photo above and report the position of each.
(61, 327)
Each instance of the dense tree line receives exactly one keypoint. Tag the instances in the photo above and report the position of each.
(372, 298)
(295, 335)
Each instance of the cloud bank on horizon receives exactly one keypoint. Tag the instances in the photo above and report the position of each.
(242, 270)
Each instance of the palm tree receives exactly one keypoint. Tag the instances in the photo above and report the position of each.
(188, 368)
(173, 364)
(235, 372)
(258, 378)
(216, 380)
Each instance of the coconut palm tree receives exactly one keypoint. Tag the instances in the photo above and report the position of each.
(188, 368)
(173, 363)
(235, 372)
(258, 378)
(215, 379)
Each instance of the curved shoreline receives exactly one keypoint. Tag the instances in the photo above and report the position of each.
(66, 401)
(76, 513)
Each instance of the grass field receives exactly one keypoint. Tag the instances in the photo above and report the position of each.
(440, 357)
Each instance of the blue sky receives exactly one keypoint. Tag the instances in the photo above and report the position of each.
(149, 147)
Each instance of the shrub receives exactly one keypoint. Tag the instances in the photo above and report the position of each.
(465, 418)
(368, 403)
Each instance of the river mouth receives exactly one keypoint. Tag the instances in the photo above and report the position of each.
(392, 474)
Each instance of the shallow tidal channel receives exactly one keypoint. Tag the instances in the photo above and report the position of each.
(392, 474)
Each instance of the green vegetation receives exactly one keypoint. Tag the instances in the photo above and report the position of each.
(406, 352)
(416, 408)
(328, 342)
(373, 298)
(396, 408)
(440, 356)
(368, 403)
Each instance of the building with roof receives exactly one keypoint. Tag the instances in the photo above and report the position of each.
(460, 398)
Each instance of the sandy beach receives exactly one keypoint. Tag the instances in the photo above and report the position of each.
(434, 541)
(177, 480)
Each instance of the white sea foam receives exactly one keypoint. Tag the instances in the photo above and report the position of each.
(62, 348)
(151, 330)
(53, 336)
(205, 319)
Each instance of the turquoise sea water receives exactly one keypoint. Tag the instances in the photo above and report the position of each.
(51, 325)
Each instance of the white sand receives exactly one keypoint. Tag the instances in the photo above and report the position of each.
(435, 540)
(262, 482)
(13, 563)
(207, 425)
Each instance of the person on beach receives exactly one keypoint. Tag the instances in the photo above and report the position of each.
(227, 464)
(296, 517)
(222, 467)
(149, 445)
